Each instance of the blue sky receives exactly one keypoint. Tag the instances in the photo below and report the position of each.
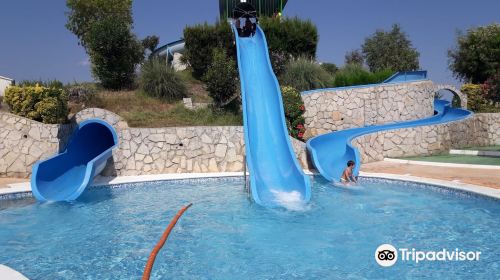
(35, 44)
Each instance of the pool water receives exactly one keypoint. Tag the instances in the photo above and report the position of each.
(110, 232)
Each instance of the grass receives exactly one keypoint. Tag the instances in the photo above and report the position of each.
(140, 110)
(483, 160)
(195, 89)
(484, 148)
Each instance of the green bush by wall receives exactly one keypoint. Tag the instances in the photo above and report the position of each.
(157, 79)
(354, 74)
(476, 100)
(294, 111)
(305, 74)
(44, 104)
(221, 78)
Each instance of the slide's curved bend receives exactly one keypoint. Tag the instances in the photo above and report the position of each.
(330, 152)
(274, 169)
(65, 176)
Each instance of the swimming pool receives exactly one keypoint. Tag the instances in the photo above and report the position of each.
(110, 232)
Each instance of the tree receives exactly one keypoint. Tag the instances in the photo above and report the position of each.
(221, 78)
(150, 43)
(104, 29)
(354, 57)
(477, 54)
(83, 14)
(390, 50)
(114, 53)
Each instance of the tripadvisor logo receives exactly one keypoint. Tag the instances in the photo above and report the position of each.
(387, 255)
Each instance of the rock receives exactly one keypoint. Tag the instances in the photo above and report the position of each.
(212, 165)
(220, 150)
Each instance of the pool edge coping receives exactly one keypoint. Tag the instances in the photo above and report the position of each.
(19, 188)
(442, 164)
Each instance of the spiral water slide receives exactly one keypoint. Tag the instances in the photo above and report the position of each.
(330, 152)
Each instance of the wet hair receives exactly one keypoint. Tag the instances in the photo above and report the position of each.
(350, 163)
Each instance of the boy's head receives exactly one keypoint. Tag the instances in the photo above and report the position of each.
(350, 163)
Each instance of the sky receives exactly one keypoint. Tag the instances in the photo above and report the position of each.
(34, 43)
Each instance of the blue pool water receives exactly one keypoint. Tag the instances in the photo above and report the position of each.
(110, 233)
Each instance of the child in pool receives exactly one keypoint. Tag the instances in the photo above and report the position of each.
(347, 176)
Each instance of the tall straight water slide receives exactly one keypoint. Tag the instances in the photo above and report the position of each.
(66, 175)
(274, 169)
(330, 152)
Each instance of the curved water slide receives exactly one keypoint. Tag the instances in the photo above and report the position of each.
(330, 152)
(274, 169)
(66, 175)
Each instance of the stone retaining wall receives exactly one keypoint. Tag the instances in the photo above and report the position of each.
(336, 109)
(478, 130)
(23, 142)
(140, 150)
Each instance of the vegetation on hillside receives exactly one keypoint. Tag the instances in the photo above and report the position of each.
(157, 79)
(44, 104)
(221, 78)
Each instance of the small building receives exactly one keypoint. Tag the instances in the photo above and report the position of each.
(4, 83)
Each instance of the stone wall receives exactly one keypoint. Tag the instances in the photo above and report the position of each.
(23, 142)
(478, 130)
(336, 109)
(140, 150)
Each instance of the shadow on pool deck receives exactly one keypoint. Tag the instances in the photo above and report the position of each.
(480, 177)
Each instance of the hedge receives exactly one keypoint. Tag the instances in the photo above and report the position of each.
(44, 104)
(200, 42)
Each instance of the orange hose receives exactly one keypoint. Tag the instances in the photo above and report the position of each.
(159, 245)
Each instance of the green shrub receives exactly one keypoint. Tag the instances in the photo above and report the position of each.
(292, 36)
(330, 68)
(294, 110)
(355, 74)
(48, 105)
(305, 74)
(201, 40)
(48, 83)
(159, 80)
(491, 88)
(221, 78)
(279, 60)
(476, 100)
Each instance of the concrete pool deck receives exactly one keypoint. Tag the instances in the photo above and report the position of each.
(469, 175)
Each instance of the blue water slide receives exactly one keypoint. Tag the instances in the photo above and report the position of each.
(330, 152)
(272, 163)
(65, 176)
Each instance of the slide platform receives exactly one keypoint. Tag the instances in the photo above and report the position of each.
(275, 173)
(65, 176)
